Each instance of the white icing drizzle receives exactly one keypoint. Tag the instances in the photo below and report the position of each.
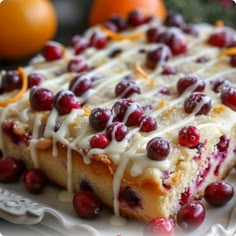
(111, 71)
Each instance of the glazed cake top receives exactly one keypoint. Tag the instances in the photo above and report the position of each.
(150, 81)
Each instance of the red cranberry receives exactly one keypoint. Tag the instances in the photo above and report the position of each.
(189, 136)
(136, 18)
(191, 216)
(219, 84)
(77, 65)
(111, 26)
(10, 169)
(198, 103)
(80, 85)
(65, 101)
(218, 193)
(34, 180)
(79, 44)
(87, 205)
(176, 41)
(98, 40)
(168, 70)
(127, 88)
(174, 19)
(35, 79)
(155, 34)
(158, 149)
(11, 81)
(193, 82)
(223, 144)
(117, 131)
(127, 111)
(119, 22)
(159, 226)
(53, 51)
(99, 141)
(221, 38)
(158, 56)
(190, 29)
(99, 118)
(41, 99)
(233, 60)
(147, 123)
(128, 196)
(228, 97)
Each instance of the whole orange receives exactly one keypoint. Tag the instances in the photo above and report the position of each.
(103, 9)
(25, 26)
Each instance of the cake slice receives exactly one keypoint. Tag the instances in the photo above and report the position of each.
(144, 117)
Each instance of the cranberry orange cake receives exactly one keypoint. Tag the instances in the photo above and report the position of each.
(141, 113)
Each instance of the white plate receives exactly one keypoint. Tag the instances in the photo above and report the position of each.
(18, 206)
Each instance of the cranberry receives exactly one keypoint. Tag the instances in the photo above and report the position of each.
(221, 38)
(155, 34)
(189, 136)
(219, 84)
(191, 215)
(79, 44)
(218, 193)
(34, 180)
(99, 118)
(176, 41)
(77, 65)
(202, 59)
(65, 101)
(190, 29)
(117, 131)
(223, 144)
(80, 85)
(53, 51)
(193, 82)
(136, 18)
(119, 22)
(85, 186)
(159, 226)
(11, 81)
(127, 111)
(99, 141)
(87, 205)
(35, 79)
(128, 195)
(127, 88)
(41, 99)
(228, 97)
(111, 26)
(98, 40)
(233, 60)
(158, 149)
(158, 56)
(168, 70)
(198, 103)
(147, 123)
(10, 169)
(174, 19)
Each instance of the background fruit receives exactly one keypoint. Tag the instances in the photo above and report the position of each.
(103, 9)
(25, 26)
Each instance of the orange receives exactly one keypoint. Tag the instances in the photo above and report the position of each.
(25, 26)
(103, 9)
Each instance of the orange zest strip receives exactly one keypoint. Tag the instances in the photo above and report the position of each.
(228, 51)
(87, 111)
(117, 36)
(21, 92)
(219, 24)
(139, 70)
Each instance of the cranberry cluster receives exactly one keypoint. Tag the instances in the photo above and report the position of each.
(115, 122)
